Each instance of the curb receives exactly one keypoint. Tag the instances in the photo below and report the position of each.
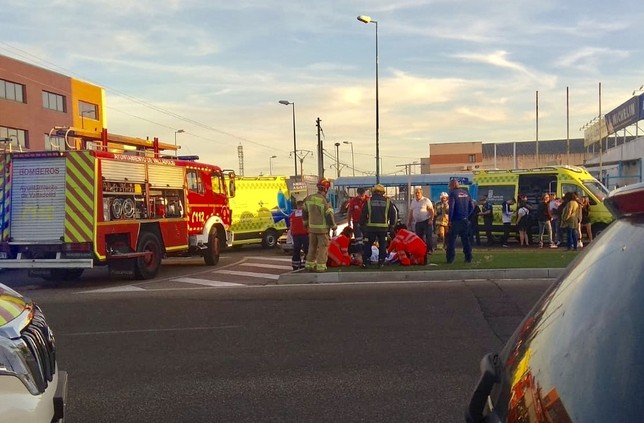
(301, 278)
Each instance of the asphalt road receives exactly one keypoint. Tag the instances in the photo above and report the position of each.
(363, 352)
(250, 265)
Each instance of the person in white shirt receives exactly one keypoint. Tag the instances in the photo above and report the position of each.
(421, 213)
(506, 218)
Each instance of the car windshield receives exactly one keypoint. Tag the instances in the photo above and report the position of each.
(597, 189)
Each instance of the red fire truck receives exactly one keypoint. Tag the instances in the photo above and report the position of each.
(110, 200)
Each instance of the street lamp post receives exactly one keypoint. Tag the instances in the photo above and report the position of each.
(270, 165)
(337, 159)
(176, 151)
(286, 103)
(353, 161)
(367, 19)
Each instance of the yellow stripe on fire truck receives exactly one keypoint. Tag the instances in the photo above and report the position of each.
(79, 197)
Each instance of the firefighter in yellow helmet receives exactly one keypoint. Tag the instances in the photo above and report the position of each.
(318, 218)
(378, 217)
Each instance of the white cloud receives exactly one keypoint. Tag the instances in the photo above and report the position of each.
(590, 59)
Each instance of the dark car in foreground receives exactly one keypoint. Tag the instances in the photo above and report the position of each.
(579, 354)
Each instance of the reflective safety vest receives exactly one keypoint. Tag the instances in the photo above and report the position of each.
(442, 214)
(380, 219)
(297, 223)
(318, 214)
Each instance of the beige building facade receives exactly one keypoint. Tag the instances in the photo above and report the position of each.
(469, 156)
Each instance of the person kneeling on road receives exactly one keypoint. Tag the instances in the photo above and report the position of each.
(339, 249)
(408, 246)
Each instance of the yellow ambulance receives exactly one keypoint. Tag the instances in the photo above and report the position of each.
(501, 185)
(260, 209)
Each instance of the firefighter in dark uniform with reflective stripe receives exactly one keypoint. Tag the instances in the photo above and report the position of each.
(378, 217)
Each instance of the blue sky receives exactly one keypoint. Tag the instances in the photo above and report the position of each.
(449, 71)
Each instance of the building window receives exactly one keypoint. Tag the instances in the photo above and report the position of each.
(87, 110)
(12, 91)
(12, 139)
(53, 101)
(471, 158)
(55, 143)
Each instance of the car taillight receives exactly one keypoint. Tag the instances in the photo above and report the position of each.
(626, 201)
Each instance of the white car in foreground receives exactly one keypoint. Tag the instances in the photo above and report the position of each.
(32, 389)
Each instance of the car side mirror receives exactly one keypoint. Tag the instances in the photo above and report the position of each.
(490, 375)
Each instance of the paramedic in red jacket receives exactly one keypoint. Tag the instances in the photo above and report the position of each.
(354, 211)
(339, 249)
(408, 246)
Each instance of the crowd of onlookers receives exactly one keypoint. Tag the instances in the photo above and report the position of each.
(376, 234)
(559, 221)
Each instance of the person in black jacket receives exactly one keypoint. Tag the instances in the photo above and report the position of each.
(488, 217)
(474, 224)
(378, 218)
(545, 221)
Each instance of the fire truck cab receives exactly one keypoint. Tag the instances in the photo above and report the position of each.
(110, 200)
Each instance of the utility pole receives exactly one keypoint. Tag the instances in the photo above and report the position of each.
(537, 126)
(337, 160)
(320, 150)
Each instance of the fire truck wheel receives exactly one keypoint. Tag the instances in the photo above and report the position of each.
(269, 240)
(211, 255)
(148, 266)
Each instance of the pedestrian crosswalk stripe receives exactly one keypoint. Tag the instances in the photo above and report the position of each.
(249, 274)
(122, 288)
(206, 282)
(268, 266)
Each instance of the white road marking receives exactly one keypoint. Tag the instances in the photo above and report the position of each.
(249, 274)
(123, 288)
(206, 282)
(284, 259)
(268, 266)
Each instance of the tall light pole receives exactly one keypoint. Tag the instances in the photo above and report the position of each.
(176, 151)
(337, 159)
(353, 161)
(286, 103)
(270, 165)
(367, 19)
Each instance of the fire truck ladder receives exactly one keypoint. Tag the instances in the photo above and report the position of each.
(81, 139)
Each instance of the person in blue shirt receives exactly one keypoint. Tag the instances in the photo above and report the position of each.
(460, 209)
